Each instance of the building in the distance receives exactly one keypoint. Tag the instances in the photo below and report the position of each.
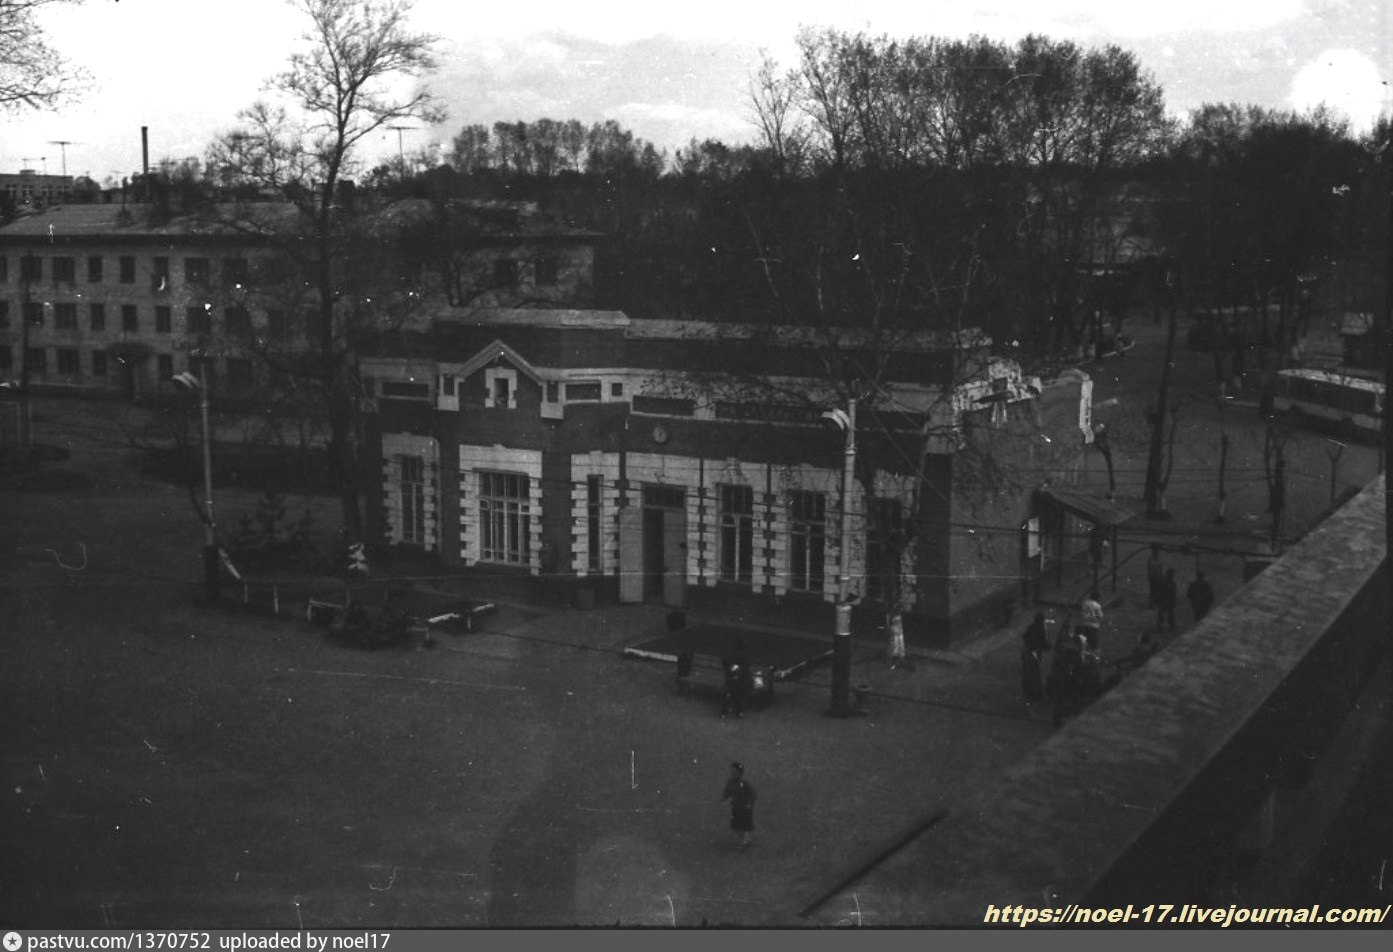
(28, 187)
(686, 463)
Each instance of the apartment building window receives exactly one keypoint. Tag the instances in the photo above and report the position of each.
(239, 373)
(31, 268)
(127, 269)
(504, 517)
(94, 269)
(164, 367)
(594, 490)
(68, 362)
(34, 313)
(807, 543)
(164, 321)
(130, 318)
(505, 273)
(239, 322)
(36, 360)
(545, 271)
(99, 363)
(737, 515)
(64, 270)
(4, 313)
(236, 273)
(96, 317)
(65, 317)
(196, 271)
(197, 318)
(159, 274)
(413, 499)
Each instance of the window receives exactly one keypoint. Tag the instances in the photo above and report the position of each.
(594, 487)
(96, 317)
(807, 529)
(67, 361)
(413, 499)
(99, 363)
(196, 271)
(164, 322)
(616, 390)
(553, 392)
(64, 270)
(239, 373)
(737, 514)
(665, 406)
(545, 271)
(501, 387)
(65, 317)
(127, 269)
(34, 313)
(31, 268)
(582, 391)
(94, 269)
(164, 366)
(505, 273)
(197, 320)
(504, 518)
(239, 322)
(159, 274)
(235, 273)
(36, 360)
(6, 357)
(4, 269)
(4, 313)
(884, 538)
(130, 318)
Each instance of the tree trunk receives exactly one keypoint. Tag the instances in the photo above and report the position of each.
(1155, 499)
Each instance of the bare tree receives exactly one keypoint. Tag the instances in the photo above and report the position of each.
(33, 75)
(335, 93)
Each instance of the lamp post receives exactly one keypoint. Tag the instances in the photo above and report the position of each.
(211, 574)
(845, 420)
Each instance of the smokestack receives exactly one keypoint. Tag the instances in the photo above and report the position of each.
(145, 162)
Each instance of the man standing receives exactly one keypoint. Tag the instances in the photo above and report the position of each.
(741, 794)
(1037, 642)
(1200, 595)
(1091, 619)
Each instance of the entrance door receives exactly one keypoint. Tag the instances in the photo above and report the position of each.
(631, 554)
(674, 558)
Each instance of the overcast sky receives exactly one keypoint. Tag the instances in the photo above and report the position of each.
(668, 71)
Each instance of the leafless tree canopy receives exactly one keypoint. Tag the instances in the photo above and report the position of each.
(32, 73)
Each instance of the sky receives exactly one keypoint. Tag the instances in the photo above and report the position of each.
(668, 72)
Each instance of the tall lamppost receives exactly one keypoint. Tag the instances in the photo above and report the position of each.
(844, 420)
(211, 570)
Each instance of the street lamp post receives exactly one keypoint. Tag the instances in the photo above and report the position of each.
(841, 635)
(212, 578)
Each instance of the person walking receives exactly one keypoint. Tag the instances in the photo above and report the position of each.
(1165, 601)
(1037, 642)
(1200, 595)
(741, 794)
(1155, 575)
(1091, 619)
(736, 669)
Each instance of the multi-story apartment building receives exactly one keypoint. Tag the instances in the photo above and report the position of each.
(680, 461)
(118, 298)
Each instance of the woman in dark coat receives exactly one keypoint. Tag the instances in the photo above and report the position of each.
(741, 794)
(1037, 642)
